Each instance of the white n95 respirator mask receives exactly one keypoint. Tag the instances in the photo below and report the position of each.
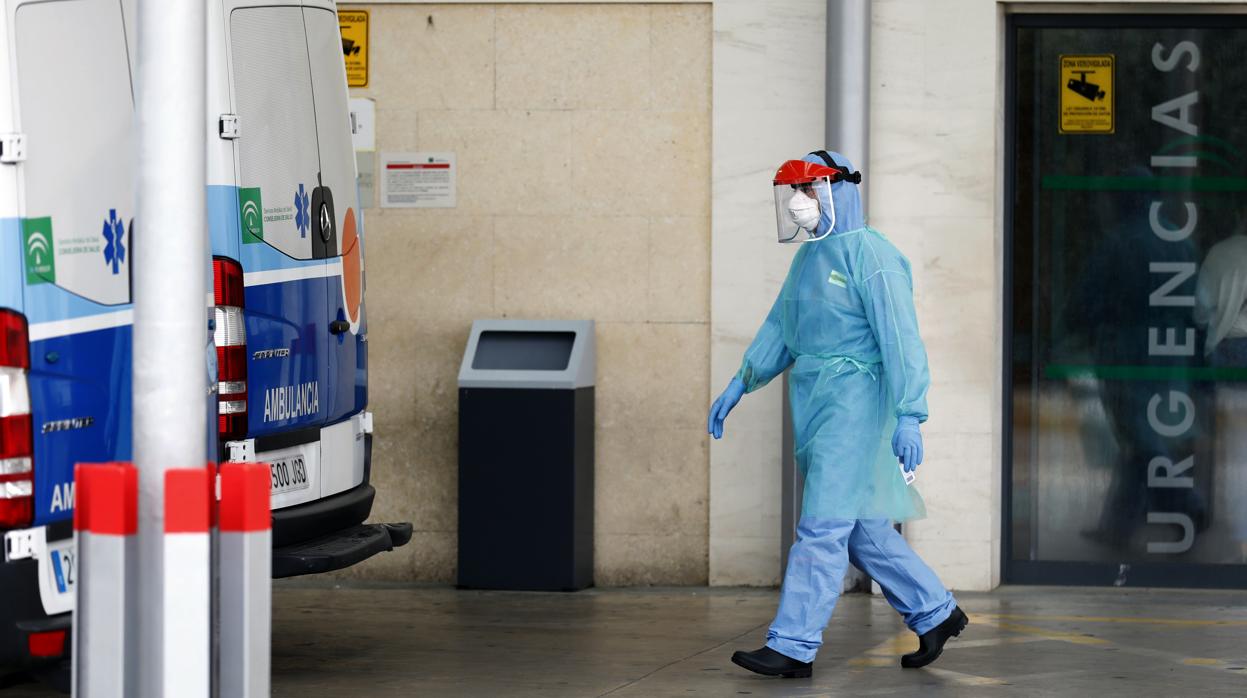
(803, 210)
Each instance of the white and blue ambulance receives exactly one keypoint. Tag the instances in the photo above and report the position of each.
(287, 256)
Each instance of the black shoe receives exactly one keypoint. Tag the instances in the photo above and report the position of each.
(771, 663)
(931, 643)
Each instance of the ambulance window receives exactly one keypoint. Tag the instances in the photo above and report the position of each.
(277, 157)
(77, 111)
(333, 119)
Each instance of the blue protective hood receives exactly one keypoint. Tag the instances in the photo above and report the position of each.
(848, 202)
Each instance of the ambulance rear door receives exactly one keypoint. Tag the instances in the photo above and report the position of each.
(339, 208)
(282, 256)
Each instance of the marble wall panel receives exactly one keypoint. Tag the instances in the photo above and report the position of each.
(768, 107)
(582, 136)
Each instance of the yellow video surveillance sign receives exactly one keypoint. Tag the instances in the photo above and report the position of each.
(1087, 94)
(353, 24)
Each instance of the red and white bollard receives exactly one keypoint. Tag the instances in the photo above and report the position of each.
(105, 653)
(245, 577)
(187, 626)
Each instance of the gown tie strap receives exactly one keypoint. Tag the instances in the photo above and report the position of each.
(840, 363)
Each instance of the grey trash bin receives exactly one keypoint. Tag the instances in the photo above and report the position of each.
(526, 455)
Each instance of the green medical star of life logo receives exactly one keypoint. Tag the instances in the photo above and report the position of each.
(37, 245)
(251, 214)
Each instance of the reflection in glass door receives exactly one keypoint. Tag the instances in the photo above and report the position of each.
(1126, 347)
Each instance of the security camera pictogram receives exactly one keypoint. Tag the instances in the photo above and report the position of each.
(1090, 90)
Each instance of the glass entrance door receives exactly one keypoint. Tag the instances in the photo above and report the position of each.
(1126, 279)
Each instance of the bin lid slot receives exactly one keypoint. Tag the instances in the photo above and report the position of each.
(552, 354)
(523, 351)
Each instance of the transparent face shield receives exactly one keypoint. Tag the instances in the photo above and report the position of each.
(804, 212)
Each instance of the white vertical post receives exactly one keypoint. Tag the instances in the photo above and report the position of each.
(170, 315)
(187, 629)
(246, 563)
(105, 652)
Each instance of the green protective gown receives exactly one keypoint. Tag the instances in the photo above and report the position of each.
(844, 321)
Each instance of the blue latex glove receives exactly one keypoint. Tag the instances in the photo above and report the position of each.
(722, 406)
(907, 443)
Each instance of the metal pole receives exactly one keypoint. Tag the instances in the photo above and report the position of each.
(848, 85)
(792, 487)
(170, 290)
(847, 132)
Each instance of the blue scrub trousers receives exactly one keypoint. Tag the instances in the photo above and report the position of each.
(815, 578)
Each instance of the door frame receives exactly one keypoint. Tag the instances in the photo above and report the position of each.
(1067, 573)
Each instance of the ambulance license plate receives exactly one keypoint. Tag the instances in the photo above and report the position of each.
(289, 474)
(63, 569)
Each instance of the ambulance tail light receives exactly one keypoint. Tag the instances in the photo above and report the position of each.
(231, 348)
(17, 463)
(46, 644)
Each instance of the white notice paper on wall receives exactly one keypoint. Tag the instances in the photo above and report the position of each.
(418, 180)
(363, 124)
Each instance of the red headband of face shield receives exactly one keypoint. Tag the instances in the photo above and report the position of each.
(795, 172)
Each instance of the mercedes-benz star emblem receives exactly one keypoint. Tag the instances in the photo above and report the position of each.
(326, 223)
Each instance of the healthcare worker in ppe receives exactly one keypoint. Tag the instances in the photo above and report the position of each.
(844, 322)
(1221, 309)
(1221, 305)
